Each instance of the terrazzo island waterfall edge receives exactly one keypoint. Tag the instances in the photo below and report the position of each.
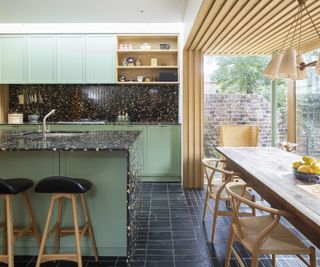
(111, 160)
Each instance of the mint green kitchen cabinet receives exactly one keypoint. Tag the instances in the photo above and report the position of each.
(162, 159)
(71, 58)
(13, 59)
(100, 62)
(41, 67)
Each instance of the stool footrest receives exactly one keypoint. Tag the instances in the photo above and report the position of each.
(69, 230)
(4, 258)
(54, 257)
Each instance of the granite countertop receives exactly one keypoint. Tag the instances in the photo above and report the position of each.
(94, 123)
(68, 141)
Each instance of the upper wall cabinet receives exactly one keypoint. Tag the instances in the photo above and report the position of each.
(70, 58)
(52, 58)
(100, 58)
(41, 59)
(13, 58)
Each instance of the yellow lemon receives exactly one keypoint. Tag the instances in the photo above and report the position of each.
(308, 160)
(297, 164)
(304, 168)
(315, 168)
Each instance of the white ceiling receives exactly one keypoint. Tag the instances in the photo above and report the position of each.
(92, 11)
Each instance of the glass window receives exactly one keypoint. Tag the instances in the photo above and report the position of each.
(308, 110)
(235, 92)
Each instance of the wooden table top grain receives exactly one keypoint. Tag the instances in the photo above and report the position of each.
(268, 170)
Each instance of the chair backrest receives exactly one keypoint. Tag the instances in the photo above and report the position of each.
(236, 191)
(239, 135)
(214, 170)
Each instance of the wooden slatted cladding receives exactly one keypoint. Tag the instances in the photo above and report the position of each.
(251, 26)
(233, 27)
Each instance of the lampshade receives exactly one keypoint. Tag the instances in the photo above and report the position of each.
(301, 74)
(288, 66)
(318, 66)
(271, 71)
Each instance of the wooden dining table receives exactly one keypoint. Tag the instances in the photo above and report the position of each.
(268, 170)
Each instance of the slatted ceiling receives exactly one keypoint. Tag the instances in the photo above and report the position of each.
(219, 18)
(232, 11)
(235, 24)
(266, 20)
(249, 18)
(250, 26)
(206, 24)
(274, 37)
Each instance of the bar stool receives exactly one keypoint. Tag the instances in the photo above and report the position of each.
(9, 188)
(62, 187)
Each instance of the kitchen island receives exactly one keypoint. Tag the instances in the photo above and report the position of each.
(111, 160)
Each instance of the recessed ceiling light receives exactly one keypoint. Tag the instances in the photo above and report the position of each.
(141, 11)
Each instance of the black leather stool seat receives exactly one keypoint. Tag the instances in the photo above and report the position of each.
(63, 184)
(14, 185)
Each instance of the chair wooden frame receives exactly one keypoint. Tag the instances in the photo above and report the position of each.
(226, 176)
(76, 230)
(11, 232)
(236, 231)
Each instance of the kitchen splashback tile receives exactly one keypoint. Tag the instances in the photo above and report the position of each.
(73, 102)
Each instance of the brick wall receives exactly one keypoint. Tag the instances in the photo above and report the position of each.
(235, 108)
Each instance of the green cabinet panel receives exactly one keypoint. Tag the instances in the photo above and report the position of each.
(100, 66)
(12, 59)
(88, 127)
(70, 58)
(163, 156)
(41, 66)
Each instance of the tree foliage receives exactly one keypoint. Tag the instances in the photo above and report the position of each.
(240, 74)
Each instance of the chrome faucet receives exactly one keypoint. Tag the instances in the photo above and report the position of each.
(44, 123)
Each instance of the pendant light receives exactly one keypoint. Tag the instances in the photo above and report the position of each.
(271, 71)
(291, 64)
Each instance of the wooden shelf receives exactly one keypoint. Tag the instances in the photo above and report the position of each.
(167, 59)
(147, 67)
(147, 82)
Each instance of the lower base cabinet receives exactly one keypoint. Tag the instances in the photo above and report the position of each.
(161, 146)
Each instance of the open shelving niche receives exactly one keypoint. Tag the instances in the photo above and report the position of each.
(167, 59)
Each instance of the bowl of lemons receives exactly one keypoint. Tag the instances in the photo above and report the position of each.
(307, 169)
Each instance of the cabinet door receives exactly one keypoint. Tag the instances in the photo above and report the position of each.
(41, 58)
(162, 156)
(100, 64)
(13, 59)
(70, 58)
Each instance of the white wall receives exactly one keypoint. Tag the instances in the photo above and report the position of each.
(189, 17)
(16, 28)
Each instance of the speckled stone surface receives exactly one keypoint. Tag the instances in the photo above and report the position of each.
(85, 141)
(73, 102)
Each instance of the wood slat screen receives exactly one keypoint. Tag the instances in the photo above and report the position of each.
(4, 102)
(233, 27)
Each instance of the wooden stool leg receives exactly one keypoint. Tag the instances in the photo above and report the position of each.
(57, 234)
(10, 236)
(76, 228)
(229, 247)
(46, 230)
(90, 229)
(215, 217)
(313, 257)
(4, 233)
(32, 220)
(274, 260)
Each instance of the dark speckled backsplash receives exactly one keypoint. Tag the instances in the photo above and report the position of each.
(143, 103)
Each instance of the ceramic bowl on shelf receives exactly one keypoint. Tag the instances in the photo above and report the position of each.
(165, 46)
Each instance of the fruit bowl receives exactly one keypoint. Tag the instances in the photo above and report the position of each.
(307, 177)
